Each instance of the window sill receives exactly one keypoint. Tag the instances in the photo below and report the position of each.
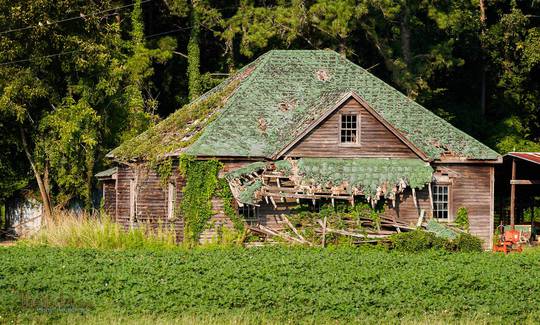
(349, 145)
(446, 220)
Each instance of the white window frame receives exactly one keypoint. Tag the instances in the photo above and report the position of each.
(356, 128)
(440, 199)
(171, 200)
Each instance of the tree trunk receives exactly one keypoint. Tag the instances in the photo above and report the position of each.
(483, 58)
(90, 161)
(405, 35)
(43, 190)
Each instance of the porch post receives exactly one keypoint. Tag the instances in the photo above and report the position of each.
(513, 194)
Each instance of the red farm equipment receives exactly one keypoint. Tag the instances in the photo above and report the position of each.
(511, 239)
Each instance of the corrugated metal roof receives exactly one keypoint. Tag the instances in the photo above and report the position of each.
(533, 157)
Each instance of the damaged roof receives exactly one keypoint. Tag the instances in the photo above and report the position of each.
(283, 92)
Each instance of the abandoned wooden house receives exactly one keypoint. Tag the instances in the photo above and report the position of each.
(304, 126)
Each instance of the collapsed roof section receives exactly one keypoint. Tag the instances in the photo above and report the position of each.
(270, 102)
(316, 178)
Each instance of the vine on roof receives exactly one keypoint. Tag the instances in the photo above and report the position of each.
(177, 131)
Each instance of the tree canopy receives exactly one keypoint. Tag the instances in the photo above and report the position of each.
(77, 78)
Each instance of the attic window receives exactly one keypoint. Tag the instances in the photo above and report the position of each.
(349, 129)
(322, 75)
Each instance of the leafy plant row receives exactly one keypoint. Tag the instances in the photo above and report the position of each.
(288, 283)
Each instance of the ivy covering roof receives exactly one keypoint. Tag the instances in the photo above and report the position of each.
(285, 91)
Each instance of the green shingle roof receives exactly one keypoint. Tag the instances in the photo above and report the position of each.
(284, 91)
(107, 173)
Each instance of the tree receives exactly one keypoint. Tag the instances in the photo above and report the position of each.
(71, 107)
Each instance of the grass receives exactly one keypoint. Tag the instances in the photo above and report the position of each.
(68, 229)
(267, 285)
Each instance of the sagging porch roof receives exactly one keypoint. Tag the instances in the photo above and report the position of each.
(331, 178)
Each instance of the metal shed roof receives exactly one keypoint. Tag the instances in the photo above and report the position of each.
(533, 157)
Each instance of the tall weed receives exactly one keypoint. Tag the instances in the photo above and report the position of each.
(68, 229)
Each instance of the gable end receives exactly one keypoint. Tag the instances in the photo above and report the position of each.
(376, 137)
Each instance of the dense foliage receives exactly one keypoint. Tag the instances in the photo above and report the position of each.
(202, 185)
(87, 231)
(78, 78)
(284, 283)
(419, 240)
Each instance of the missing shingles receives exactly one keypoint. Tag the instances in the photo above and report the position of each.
(322, 75)
(262, 124)
(287, 105)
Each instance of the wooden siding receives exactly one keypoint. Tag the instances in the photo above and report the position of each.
(375, 139)
(109, 197)
(405, 209)
(472, 188)
(151, 202)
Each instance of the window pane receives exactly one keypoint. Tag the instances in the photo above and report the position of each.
(349, 132)
(440, 201)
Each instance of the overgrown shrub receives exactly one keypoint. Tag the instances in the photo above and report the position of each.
(420, 240)
(467, 243)
(462, 218)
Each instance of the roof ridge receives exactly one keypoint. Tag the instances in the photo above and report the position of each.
(390, 87)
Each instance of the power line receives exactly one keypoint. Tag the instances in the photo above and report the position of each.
(39, 57)
(168, 32)
(80, 16)
(69, 52)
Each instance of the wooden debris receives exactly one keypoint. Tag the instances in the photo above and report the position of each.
(420, 218)
(293, 228)
(284, 236)
(324, 232)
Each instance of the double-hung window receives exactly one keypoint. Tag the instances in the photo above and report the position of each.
(441, 195)
(349, 129)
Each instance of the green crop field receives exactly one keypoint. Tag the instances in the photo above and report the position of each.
(266, 285)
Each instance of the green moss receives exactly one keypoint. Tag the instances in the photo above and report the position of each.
(247, 196)
(440, 230)
(164, 169)
(246, 170)
(283, 166)
(365, 173)
(178, 130)
(289, 77)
